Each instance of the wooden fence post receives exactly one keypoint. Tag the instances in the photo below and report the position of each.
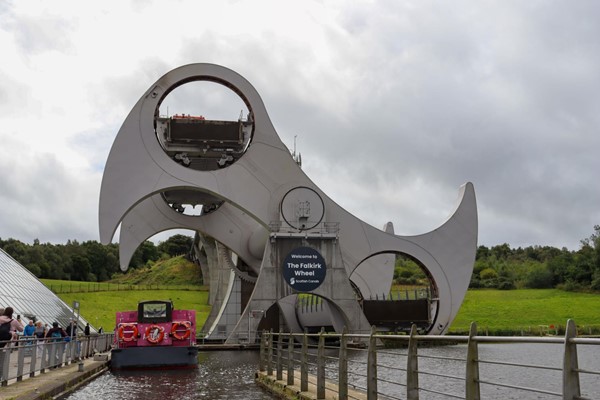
(472, 364)
(304, 364)
(571, 389)
(290, 366)
(321, 365)
(412, 366)
(263, 352)
(270, 354)
(372, 367)
(279, 351)
(343, 367)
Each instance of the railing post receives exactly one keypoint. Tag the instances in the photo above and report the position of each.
(372, 367)
(33, 362)
(290, 366)
(20, 359)
(304, 364)
(4, 364)
(321, 365)
(270, 354)
(412, 366)
(472, 372)
(263, 352)
(279, 351)
(571, 389)
(343, 367)
(44, 360)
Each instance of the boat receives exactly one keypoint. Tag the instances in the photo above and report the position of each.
(155, 336)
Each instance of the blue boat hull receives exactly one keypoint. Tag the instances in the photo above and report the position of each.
(163, 357)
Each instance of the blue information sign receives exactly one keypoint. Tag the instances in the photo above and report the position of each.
(304, 269)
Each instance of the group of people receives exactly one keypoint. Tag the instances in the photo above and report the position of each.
(11, 328)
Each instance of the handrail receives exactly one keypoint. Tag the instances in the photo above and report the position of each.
(368, 372)
(33, 356)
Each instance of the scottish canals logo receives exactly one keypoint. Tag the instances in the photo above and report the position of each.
(304, 269)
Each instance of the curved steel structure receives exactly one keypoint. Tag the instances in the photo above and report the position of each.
(260, 192)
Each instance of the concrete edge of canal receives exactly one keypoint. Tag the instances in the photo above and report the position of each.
(57, 383)
(280, 389)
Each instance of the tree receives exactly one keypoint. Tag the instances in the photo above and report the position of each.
(176, 245)
(81, 268)
(539, 278)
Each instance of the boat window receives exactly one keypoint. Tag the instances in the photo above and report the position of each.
(154, 312)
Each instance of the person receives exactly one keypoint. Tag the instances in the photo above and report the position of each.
(18, 334)
(86, 330)
(40, 330)
(28, 332)
(72, 337)
(40, 333)
(8, 327)
(14, 325)
(56, 335)
(100, 330)
(29, 329)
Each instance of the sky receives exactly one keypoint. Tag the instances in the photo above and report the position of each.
(393, 104)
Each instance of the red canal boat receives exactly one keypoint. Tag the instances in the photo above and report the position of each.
(155, 336)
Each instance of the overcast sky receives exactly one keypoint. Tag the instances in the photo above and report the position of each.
(394, 104)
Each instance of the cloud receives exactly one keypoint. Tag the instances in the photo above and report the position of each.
(393, 104)
(43, 199)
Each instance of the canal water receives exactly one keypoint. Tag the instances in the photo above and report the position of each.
(230, 375)
(220, 375)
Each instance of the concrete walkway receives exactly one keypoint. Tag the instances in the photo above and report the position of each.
(293, 392)
(55, 383)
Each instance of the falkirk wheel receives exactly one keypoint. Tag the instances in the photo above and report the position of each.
(277, 251)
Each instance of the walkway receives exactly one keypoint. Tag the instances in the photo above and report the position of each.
(53, 382)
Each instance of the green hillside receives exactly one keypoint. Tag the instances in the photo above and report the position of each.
(173, 271)
(175, 279)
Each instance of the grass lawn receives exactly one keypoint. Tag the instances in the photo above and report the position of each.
(99, 308)
(525, 309)
(496, 311)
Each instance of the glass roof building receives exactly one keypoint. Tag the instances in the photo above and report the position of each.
(29, 297)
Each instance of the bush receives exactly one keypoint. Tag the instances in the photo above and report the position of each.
(475, 282)
(506, 285)
(539, 278)
(570, 286)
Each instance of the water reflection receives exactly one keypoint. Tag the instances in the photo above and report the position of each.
(221, 375)
(230, 375)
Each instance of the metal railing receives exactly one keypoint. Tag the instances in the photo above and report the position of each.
(323, 228)
(406, 372)
(30, 356)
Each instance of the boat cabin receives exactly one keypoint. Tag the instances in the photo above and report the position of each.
(155, 323)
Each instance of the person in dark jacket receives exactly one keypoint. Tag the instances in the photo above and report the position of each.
(56, 336)
(56, 333)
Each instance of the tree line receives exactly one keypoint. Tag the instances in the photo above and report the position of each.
(88, 261)
(499, 267)
(535, 267)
